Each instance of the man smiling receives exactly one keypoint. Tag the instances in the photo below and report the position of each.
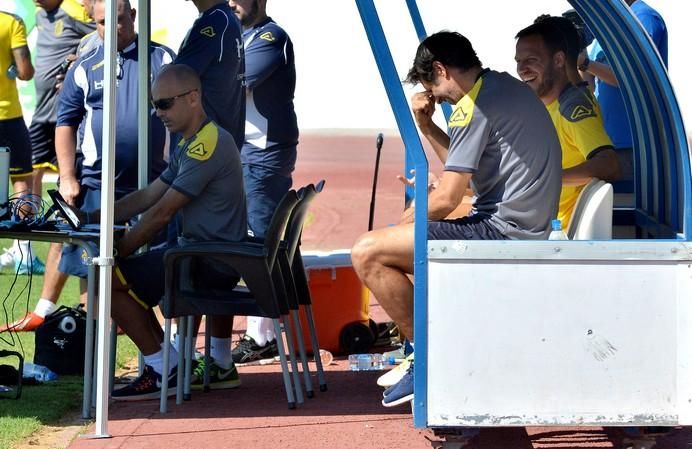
(541, 56)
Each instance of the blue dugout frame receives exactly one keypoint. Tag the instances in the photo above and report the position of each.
(663, 181)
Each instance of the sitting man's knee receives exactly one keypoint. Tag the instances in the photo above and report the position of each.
(362, 250)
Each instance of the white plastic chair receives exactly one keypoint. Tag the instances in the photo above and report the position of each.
(592, 218)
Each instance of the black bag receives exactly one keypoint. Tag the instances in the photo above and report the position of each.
(60, 341)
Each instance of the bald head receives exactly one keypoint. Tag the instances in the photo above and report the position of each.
(178, 77)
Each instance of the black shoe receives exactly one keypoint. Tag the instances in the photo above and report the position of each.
(248, 351)
(146, 386)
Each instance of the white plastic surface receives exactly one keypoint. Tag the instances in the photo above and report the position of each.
(559, 342)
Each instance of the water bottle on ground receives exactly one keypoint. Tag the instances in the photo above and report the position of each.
(557, 233)
(38, 372)
(366, 362)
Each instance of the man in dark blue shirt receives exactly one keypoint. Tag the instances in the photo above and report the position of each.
(214, 49)
(271, 136)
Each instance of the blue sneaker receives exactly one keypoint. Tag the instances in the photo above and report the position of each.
(25, 267)
(402, 392)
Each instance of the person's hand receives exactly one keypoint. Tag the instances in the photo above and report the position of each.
(69, 189)
(433, 180)
(60, 77)
(423, 107)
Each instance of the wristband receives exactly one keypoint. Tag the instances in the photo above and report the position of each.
(584, 66)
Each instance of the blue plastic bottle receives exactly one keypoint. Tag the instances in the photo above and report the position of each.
(39, 372)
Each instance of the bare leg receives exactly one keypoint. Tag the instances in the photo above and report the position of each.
(54, 280)
(37, 186)
(382, 259)
(135, 320)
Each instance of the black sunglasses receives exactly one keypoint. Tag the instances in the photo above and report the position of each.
(167, 103)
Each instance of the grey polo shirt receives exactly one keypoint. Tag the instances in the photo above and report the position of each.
(502, 134)
(207, 169)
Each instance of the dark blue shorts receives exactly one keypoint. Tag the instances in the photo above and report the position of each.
(145, 274)
(264, 189)
(15, 136)
(474, 227)
(74, 259)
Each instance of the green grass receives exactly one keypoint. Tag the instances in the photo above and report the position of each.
(50, 402)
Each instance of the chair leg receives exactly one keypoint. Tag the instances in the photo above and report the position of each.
(207, 352)
(189, 349)
(315, 348)
(309, 392)
(284, 365)
(163, 407)
(292, 357)
(182, 328)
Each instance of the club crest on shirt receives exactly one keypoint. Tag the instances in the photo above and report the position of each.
(208, 31)
(59, 27)
(268, 36)
(199, 151)
(581, 112)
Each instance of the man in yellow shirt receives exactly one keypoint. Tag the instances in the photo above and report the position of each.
(587, 152)
(15, 62)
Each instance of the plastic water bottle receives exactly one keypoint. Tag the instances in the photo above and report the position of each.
(38, 372)
(365, 362)
(557, 233)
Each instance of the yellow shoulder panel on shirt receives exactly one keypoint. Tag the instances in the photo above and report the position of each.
(463, 112)
(76, 10)
(202, 148)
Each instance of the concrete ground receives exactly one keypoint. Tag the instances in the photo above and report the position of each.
(349, 414)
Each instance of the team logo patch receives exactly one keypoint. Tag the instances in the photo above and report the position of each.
(581, 112)
(459, 117)
(59, 27)
(199, 152)
(208, 31)
(268, 36)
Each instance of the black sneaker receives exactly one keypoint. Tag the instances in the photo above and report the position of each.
(248, 351)
(146, 386)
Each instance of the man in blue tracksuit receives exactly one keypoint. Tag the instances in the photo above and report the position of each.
(271, 136)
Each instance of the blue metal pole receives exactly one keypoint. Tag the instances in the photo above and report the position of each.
(415, 156)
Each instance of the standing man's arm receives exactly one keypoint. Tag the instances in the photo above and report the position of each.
(20, 51)
(22, 60)
(263, 55)
(202, 45)
(423, 108)
(71, 112)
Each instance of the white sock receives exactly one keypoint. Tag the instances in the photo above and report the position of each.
(155, 360)
(221, 352)
(44, 307)
(22, 249)
(175, 341)
(260, 329)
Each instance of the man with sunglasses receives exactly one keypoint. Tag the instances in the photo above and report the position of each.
(81, 102)
(204, 183)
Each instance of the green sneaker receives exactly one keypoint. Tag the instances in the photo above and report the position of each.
(219, 378)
